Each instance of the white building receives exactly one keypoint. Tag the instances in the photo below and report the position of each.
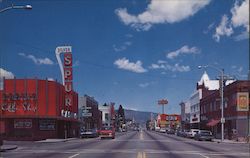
(108, 114)
(194, 99)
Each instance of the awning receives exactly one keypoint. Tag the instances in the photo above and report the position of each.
(213, 122)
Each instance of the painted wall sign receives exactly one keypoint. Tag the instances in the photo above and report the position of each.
(242, 101)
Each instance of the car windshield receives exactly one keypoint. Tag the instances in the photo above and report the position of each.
(124, 79)
(205, 133)
(106, 128)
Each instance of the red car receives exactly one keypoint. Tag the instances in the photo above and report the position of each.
(107, 132)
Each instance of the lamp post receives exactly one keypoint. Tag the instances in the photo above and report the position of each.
(222, 97)
(27, 7)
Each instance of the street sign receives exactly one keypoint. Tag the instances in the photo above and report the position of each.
(87, 114)
(86, 107)
(222, 120)
(162, 101)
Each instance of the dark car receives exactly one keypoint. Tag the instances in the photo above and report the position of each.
(107, 132)
(171, 131)
(204, 135)
(89, 133)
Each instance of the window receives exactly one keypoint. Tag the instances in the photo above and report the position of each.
(106, 116)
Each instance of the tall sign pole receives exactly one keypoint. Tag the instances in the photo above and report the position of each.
(67, 77)
(163, 102)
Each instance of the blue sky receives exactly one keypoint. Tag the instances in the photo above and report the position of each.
(130, 52)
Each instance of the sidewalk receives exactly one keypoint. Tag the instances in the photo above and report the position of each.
(229, 141)
(7, 147)
(55, 140)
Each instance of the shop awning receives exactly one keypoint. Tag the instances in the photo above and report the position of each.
(213, 122)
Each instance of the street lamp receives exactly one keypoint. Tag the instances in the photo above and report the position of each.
(27, 7)
(222, 98)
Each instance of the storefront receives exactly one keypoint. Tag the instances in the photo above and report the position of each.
(34, 109)
(236, 111)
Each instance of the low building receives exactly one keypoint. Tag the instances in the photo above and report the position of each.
(90, 115)
(35, 109)
(236, 110)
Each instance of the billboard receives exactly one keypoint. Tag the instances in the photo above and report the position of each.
(242, 101)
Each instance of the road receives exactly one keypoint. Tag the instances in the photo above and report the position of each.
(143, 144)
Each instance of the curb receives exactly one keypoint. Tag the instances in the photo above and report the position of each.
(7, 147)
(55, 140)
(229, 142)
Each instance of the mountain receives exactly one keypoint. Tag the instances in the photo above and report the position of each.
(139, 116)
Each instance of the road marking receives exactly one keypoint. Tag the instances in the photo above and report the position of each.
(141, 155)
(203, 156)
(73, 155)
(141, 136)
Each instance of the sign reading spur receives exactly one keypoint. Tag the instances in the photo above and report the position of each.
(67, 74)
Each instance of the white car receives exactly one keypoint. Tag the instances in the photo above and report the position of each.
(163, 130)
(192, 133)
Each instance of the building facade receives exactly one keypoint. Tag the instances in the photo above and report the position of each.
(35, 109)
(236, 110)
(108, 114)
(185, 115)
(90, 115)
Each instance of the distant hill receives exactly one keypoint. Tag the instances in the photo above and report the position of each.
(139, 116)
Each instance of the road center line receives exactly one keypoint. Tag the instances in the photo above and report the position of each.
(203, 156)
(73, 155)
(139, 155)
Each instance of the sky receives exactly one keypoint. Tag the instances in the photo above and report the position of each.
(131, 52)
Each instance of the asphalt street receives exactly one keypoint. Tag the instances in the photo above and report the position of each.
(143, 144)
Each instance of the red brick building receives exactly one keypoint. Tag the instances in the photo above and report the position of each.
(34, 109)
(236, 110)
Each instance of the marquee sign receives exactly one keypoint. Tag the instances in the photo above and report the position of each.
(68, 79)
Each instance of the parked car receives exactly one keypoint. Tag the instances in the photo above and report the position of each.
(89, 133)
(182, 133)
(171, 131)
(204, 135)
(192, 132)
(107, 132)
(163, 130)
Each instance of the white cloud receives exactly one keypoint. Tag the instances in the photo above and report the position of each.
(239, 19)
(183, 50)
(240, 14)
(37, 61)
(123, 47)
(129, 35)
(174, 68)
(5, 74)
(224, 29)
(159, 12)
(144, 85)
(177, 67)
(76, 63)
(130, 66)
(209, 28)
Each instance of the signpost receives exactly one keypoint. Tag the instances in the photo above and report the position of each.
(163, 102)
